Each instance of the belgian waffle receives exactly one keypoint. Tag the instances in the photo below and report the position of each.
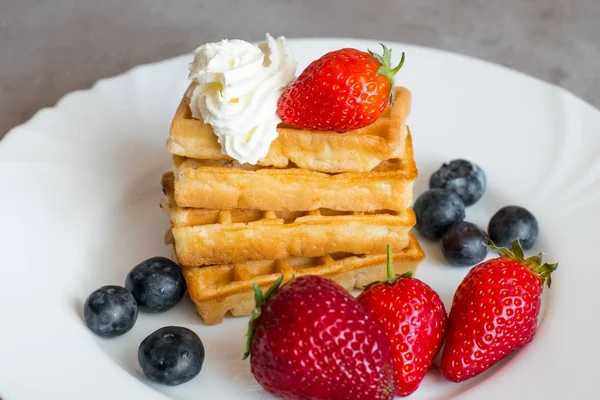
(358, 150)
(222, 185)
(218, 289)
(224, 236)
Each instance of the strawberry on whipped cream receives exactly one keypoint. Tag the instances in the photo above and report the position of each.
(236, 92)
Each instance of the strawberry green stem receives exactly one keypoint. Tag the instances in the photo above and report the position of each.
(391, 276)
(535, 264)
(386, 68)
(390, 267)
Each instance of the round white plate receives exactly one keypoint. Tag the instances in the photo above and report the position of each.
(80, 209)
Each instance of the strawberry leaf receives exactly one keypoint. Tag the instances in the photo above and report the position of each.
(517, 249)
(544, 272)
(377, 56)
(259, 299)
(386, 68)
(537, 258)
(534, 263)
(258, 294)
(273, 288)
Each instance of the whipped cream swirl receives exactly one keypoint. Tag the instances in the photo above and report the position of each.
(237, 89)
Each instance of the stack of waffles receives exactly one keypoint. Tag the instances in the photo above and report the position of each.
(320, 203)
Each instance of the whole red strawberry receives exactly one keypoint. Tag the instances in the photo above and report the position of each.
(414, 319)
(494, 312)
(312, 340)
(344, 89)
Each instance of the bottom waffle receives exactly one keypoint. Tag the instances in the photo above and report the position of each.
(219, 289)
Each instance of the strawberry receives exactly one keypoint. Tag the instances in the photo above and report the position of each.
(414, 319)
(312, 340)
(494, 312)
(344, 89)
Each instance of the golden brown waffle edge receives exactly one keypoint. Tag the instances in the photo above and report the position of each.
(219, 289)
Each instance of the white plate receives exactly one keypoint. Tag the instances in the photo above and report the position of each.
(80, 209)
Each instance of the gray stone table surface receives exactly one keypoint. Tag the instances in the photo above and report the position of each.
(51, 47)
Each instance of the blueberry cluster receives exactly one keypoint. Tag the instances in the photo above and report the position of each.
(171, 355)
(440, 214)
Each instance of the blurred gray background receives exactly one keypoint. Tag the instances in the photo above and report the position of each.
(51, 47)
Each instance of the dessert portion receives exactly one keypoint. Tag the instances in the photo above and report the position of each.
(284, 195)
(264, 182)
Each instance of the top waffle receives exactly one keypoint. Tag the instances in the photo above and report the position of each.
(357, 150)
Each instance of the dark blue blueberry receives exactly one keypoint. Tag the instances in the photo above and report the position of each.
(157, 284)
(510, 223)
(110, 311)
(172, 355)
(436, 211)
(464, 244)
(462, 177)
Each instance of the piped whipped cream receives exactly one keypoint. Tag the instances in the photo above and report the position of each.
(237, 89)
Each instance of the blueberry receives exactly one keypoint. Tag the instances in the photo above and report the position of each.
(171, 355)
(512, 222)
(157, 284)
(464, 244)
(462, 177)
(436, 211)
(110, 311)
